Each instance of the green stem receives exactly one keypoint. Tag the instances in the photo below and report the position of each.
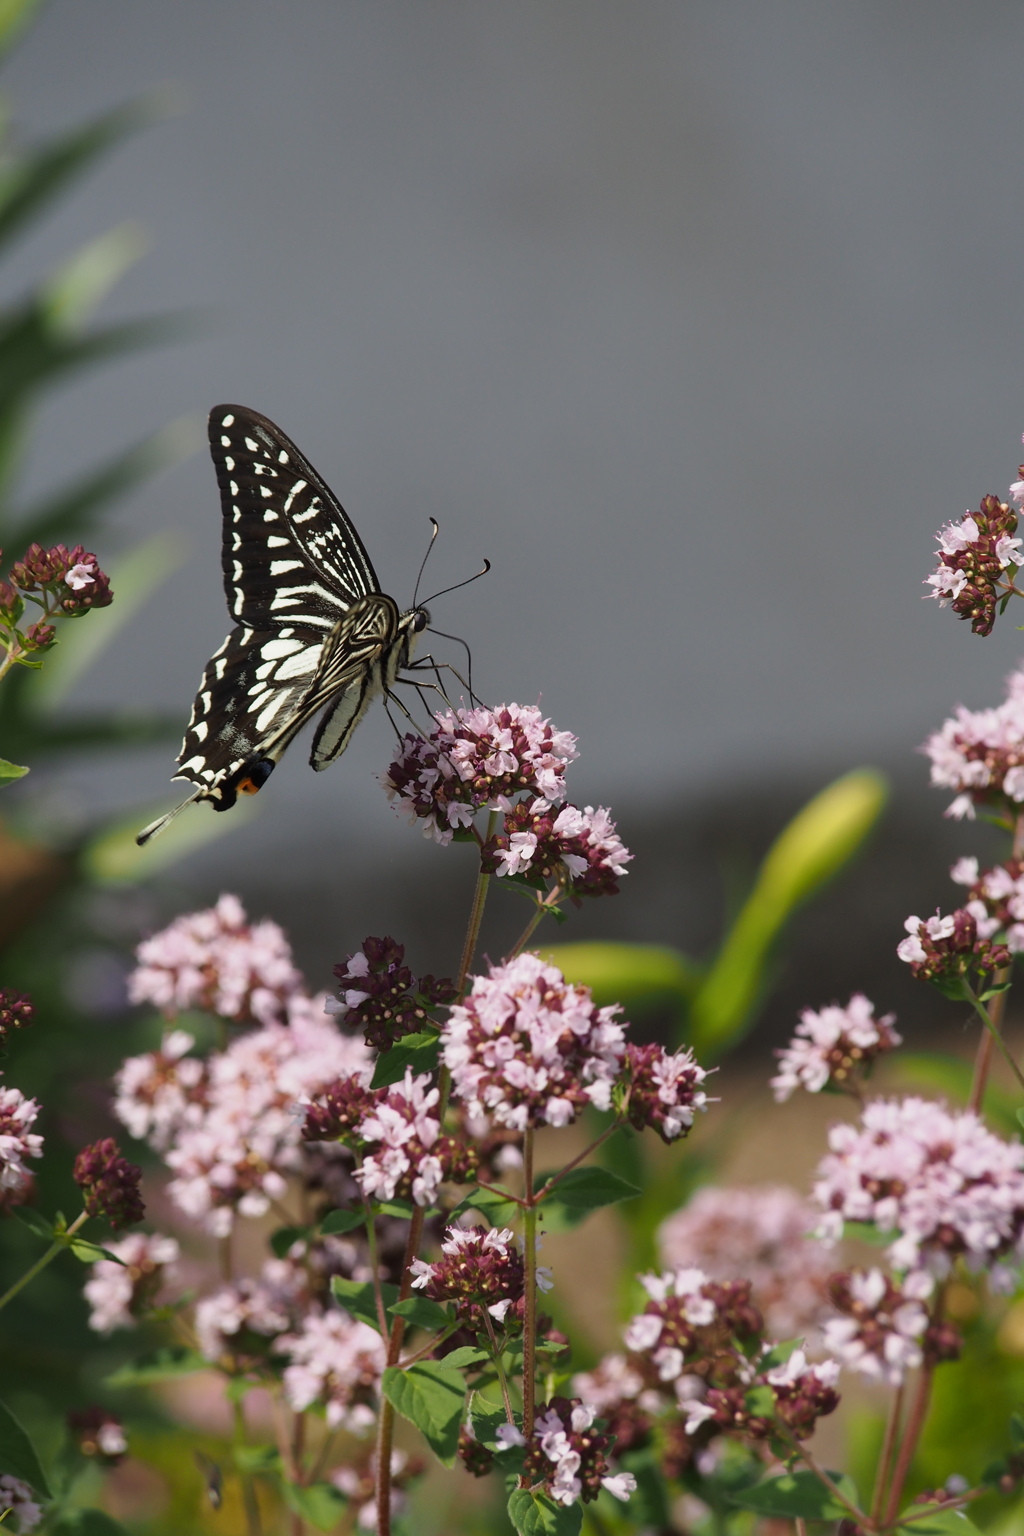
(386, 1423)
(530, 1283)
(543, 907)
(983, 1014)
(48, 1257)
(542, 1194)
(983, 1057)
(10, 658)
(885, 1461)
(496, 1357)
(858, 1516)
(378, 1293)
(249, 1499)
(476, 915)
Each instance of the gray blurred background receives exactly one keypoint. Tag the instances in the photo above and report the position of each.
(696, 319)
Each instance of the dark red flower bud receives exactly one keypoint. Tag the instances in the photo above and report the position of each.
(109, 1183)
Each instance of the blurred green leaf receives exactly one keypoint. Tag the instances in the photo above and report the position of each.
(15, 15)
(815, 845)
(490, 1205)
(159, 1365)
(465, 1356)
(18, 1454)
(32, 178)
(10, 771)
(421, 1312)
(88, 1522)
(359, 1298)
(318, 1503)
(80, 283)
(939, 1522)
(133, 579)
(68, 515)
(583, 1190)
(952, 1076)
(797, 1496)
(342, 1221)
(636, 975)
(112, 857)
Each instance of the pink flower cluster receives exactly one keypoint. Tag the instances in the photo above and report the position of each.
(938, 1180)
(566, 1457)
(227, 1126)
(218, 961)
(380, 995)
(402, 1132)
(119, 1294)
(480, 1271)
(883, 1329)
(337, 1362)
(20, 1500)
(980, 754)
(662, 1090)
(947, 949)
(973, 556)
(758, 1233)
(833, 1045)
(581, 850)
(17, 1142)
(995, 899)
(226, 1320)
(526, 1048)
(476, 759)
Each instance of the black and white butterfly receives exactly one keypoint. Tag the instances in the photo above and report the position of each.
(313, 628)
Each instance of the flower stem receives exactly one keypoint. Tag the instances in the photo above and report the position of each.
(502, 1378)
(249, 1499)
(378, 1293)
(386, 1425)
(885, 1460)
(993, 1034)
(543, 907)
(911, 1435)
(51, 1253)
(858, 1516)
(983, 1057)
(542, 1194)
(476, 914)
(530, 1281)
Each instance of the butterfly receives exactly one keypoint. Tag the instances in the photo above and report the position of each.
(313, 628)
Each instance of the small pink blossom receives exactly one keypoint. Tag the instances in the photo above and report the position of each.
(17, 1142)
(939, 1181)
(979, 754)
(20, 1500)
(81, 575)
(476, 759)
(758, 1233)
(337, 1362)
(883, 1330)
(527, 1048)
(216, 960)
(119, 1293)
(831, 1045)
(402, 1132)
(225, 1320)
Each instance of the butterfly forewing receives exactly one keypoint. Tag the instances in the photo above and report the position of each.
(313, 627)
(290, 553)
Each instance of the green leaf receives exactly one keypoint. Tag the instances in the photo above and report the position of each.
(815, 845)
(88, 1522)
(319, 1503)
(1016, 1431)
(943, 1522)
(336, 1222)
(160, 1365)
(35, 1221)
(867, 1232)
(18, 1454)
(359, 1298)
(421, 1312)
(465, 1356)
(257, 1458)
(491, 1207)
(778, 1355)
(1020, 1117)
(284, 1238)
(15, 15)
(420, 1052)
(402, 1209)
(90, 1253)
(583, 1190)
(113, 858)
(10, 771)
(797, 1496)
(430, 1395)
(533, 1514)
(638, 976)
(36, 177)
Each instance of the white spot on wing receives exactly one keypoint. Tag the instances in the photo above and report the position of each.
(228, 421)
(300, 485)
(282, 457)
(280, 567)
(274, 650)
(271, 710)
(225, 442)
(201, 730)
(275, 541)
(251, 445)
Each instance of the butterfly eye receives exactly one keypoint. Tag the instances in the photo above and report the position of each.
(420, 621)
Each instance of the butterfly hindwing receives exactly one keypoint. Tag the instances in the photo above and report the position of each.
(289, 552)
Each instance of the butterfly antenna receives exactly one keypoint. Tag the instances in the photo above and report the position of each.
(426, 557)
(445, 590)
